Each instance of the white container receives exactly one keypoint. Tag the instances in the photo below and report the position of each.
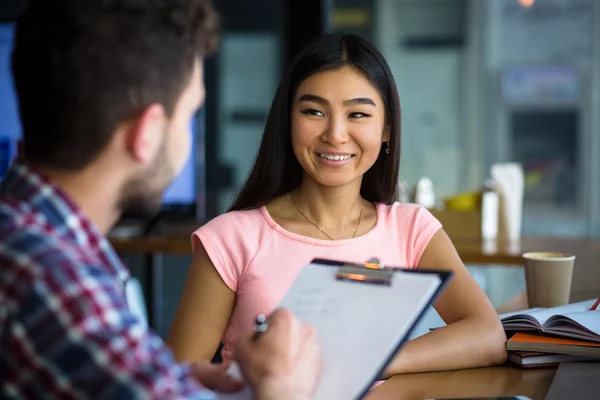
(510, 182)
(490, 209)
(425, 195)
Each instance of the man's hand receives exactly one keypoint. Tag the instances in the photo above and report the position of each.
(215, 377)
(283, 363)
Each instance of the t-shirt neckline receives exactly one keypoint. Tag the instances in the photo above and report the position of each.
(320, 242)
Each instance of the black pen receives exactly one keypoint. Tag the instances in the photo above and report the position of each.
(260, 325)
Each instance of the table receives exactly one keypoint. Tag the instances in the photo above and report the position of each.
(501, 380)
(176, 239)
(586, 275)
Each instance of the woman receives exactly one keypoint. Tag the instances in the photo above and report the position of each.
(324, 185)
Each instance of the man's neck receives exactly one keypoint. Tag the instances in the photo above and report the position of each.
(95, 195)
(327, 206)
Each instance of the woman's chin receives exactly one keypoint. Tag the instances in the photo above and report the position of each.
(337, 181)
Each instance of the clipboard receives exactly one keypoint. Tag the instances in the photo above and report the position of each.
(363, 314)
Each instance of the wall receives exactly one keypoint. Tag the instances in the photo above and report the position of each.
(430, 49)
(552, 32)
(247, 84)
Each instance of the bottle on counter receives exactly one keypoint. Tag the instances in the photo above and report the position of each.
(490, 207)
(424, 194)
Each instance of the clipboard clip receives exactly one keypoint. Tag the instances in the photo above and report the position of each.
(372, 271)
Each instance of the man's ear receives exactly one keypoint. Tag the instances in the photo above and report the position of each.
(146, 133)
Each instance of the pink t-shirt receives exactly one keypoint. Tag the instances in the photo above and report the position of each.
(260, 260)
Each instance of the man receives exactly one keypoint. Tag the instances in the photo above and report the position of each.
(106, 92)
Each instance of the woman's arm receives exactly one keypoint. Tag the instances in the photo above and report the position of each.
(473, 337)
(203, 313)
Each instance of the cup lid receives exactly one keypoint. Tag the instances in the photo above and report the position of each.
(548, 256)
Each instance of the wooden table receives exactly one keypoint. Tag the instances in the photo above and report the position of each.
(586, 275)
(503, 380)
(172, 239)
(177, 240)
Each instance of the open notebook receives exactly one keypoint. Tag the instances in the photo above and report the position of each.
(361, 320)
(569, 321)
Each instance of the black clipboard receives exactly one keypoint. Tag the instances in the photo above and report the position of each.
(373, 272)
(373, 275)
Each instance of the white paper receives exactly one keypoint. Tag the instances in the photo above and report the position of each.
(512, 313)
(584, 325)
(541, 315)
(359, 325)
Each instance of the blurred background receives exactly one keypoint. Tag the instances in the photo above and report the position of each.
(480, 82)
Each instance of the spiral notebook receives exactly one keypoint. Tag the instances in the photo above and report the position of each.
(363, 314)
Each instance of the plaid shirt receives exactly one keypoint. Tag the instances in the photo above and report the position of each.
(66, 330)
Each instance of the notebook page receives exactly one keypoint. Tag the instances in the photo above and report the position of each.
(521, 320)
(520, 312)
(358, 325)
(583, 325)
(542, 314)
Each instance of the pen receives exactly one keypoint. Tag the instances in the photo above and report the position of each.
(260, 325)
(595, 306)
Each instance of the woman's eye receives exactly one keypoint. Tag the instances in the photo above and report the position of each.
(359, 115)
(311, 111)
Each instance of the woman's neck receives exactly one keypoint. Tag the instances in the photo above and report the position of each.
(328, 207)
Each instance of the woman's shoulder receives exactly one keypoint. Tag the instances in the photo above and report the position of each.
(233, 235)
(401, 209)
(246, 221)
(410, 215)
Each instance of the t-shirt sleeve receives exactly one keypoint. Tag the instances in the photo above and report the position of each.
(424, 226)
(225, 247)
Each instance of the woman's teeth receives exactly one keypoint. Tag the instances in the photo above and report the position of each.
(335, 157)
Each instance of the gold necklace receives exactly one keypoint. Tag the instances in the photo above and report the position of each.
(319, 228)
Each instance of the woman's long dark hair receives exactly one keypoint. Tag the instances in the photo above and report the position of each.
(276, 170)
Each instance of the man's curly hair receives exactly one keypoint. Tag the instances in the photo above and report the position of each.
(81, 67)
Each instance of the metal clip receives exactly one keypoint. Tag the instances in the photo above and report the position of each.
(372, 271)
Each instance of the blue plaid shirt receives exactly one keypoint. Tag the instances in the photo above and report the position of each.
(66, 331)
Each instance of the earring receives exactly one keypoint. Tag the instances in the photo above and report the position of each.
(387, 149)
